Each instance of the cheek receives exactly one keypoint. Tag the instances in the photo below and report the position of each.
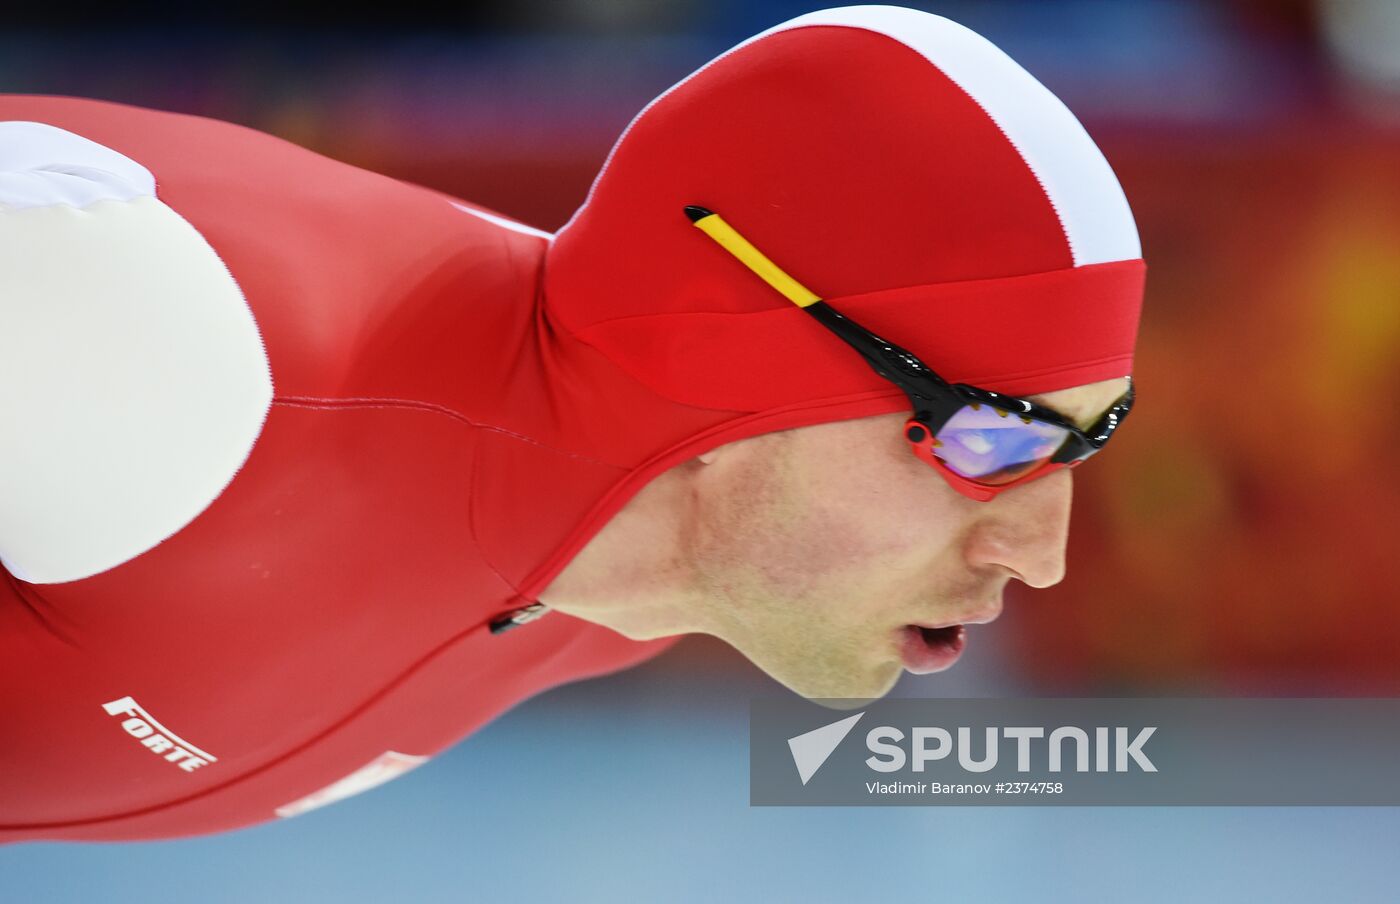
(898, 529)
(892, 508)
(832, 533)
(758, 535)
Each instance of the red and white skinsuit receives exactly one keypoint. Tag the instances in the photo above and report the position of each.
(280, 438)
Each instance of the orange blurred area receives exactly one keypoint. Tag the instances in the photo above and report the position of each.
(1242, 536)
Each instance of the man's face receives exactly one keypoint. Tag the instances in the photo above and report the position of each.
(814, 548)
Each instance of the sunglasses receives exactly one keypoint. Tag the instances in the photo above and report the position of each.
(983, 443)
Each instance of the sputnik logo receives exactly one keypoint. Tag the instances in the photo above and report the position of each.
(811, 750)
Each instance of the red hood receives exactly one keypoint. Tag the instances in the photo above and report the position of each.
(894, 162)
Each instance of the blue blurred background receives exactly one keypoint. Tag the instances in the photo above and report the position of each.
(1241, 540)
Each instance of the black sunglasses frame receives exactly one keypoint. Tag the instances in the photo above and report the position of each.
(935, 400)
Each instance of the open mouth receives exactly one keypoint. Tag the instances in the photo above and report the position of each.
(928, 650)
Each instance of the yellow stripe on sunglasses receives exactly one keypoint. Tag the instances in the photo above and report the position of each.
(713, 225)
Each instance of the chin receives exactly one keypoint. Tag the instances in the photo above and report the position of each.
(843, 703)
(644, 632)
(848, 692)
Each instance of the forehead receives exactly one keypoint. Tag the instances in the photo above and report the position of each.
(1084, 404)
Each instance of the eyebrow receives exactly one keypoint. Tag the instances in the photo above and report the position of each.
(1082, 424)
(1086, 423)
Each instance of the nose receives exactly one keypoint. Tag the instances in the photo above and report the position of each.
(1025, 530)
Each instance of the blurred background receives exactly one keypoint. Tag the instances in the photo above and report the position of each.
(1242, 539)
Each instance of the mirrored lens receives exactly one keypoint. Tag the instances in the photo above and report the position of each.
(992, 447)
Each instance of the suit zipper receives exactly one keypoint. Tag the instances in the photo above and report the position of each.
(517, 617)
